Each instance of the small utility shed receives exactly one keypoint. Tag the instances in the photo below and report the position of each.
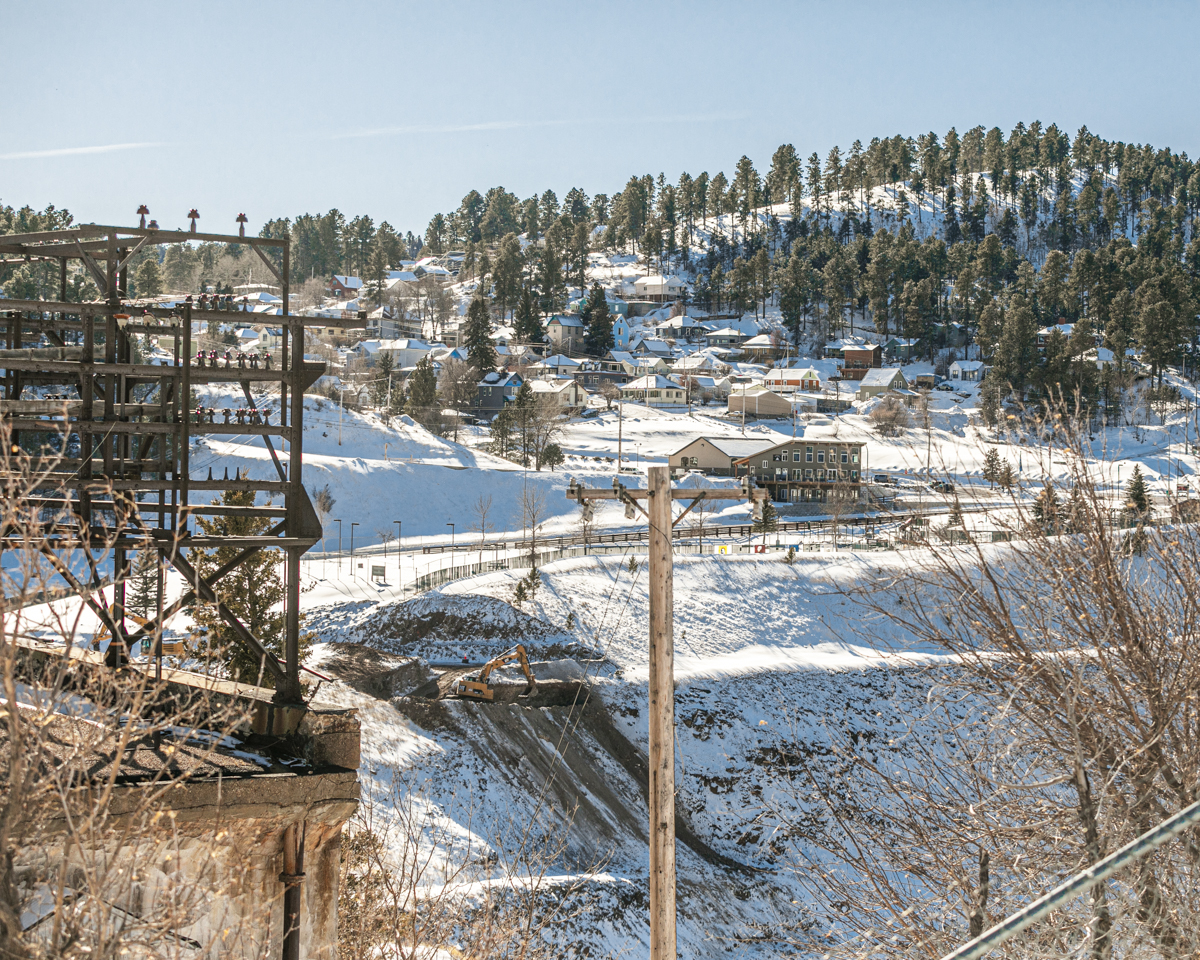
(715, 456)
(881, 381)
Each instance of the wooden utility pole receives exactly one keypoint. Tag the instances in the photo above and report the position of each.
(662, 675)
(662, 718)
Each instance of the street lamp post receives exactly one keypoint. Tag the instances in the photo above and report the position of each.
(339, 523)
(451, 526)
(400, 557)
(352, 526)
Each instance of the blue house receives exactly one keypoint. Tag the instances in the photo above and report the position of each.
(620, 333)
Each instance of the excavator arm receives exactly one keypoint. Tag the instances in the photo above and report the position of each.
(479, 687)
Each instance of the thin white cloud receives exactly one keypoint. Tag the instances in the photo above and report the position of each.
(527, 124)
(75, 151)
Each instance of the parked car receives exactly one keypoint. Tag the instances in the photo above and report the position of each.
(941, 486)
(944, 385)
(883, 478)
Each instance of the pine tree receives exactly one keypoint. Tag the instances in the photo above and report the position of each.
(148, 280)
(768, 521)
(1046, 510)
(1137, 497)
(481, 352)
(599, 337)
(252, 591)
(529, 325)
(141, 594)
(422, 391)
(991, 466)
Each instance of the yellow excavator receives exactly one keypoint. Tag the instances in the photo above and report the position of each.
(478, 687)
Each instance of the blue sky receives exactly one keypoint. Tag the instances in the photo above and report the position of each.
(398, 109)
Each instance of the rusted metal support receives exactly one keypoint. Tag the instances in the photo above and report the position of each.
(292, 879)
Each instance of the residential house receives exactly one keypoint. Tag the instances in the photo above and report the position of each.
(761, 347)
(681, 328)
(639, 366)
(700, 386)
(593, 374)
(971, 371)
(836, 349)
(716, 456)
(620, 333)
(345, 287)
(654, 390)
(813, 470)
(570, 394)
(1045, 333)
(404, 353)
(557, 365)
(902, 348)
(271, 338)
(805, 378)
(495, 391)
(696, 363)
(660, 289)
(566, 333)
(650, 347)
(859, 359)
(875, 382)
(754, 402)
(726, 337)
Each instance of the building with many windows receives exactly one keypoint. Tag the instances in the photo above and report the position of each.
(810, 470)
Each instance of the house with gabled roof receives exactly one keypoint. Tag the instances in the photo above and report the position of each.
(495, 391)
(716, 456)
(654, 390)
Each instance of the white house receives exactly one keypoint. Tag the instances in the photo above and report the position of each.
(970, 370)
(404, 353)
(654, 287)
(570, 394)
(653, 390)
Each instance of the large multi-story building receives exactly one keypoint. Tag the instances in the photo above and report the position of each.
(810, 470)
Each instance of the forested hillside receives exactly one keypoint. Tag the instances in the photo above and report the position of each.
(978, 239)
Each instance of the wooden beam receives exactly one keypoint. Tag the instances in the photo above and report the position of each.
(98, 275)
(205, 591)
(270, 266)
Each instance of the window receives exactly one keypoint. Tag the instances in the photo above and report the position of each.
(845, 457)
(854, 457)
(764, 464)
(853, 474)
(820, 456)
(820, 474)
(795, 456)
(808, 474)
(808, 454)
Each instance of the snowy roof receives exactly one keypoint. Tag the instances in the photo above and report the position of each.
(968, 364)
(565, 321)
(352, 283)
(652, 381)
(861, 346)
(495, 380)
(762, 340)
(550, 386)
(727, 332)
(558, 360)
(738, 448)
(879, 377)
